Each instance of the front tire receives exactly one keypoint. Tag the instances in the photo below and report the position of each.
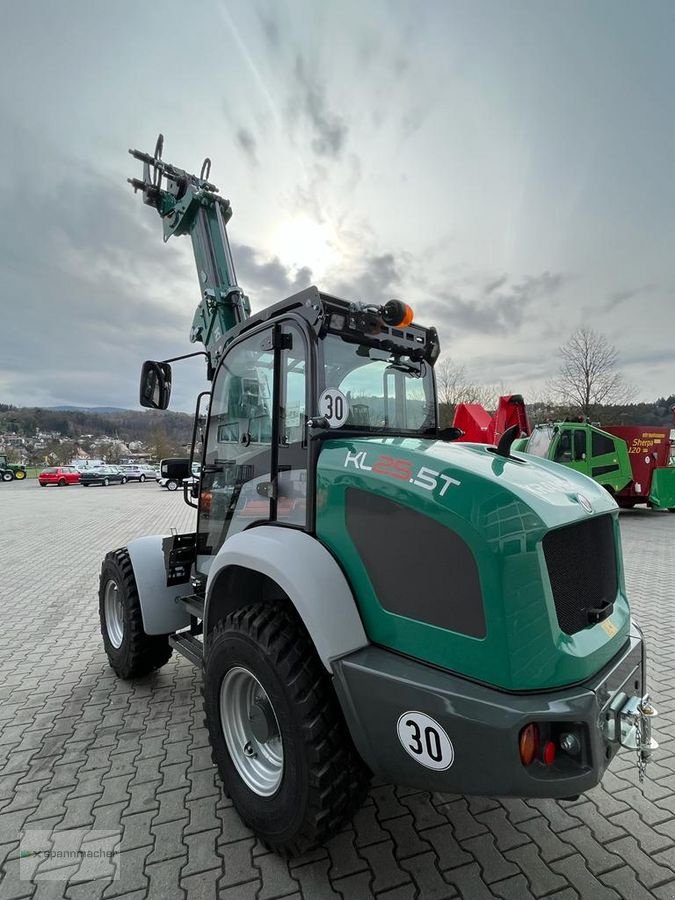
(278, 736)
(19, 475)
(142, 479)
(62, 482)
(131, 652)
(106, 482)
(172, 485)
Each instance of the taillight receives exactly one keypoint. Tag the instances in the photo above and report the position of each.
(528, 743)
(548, 753)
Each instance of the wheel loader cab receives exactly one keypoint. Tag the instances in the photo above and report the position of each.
(260, 448)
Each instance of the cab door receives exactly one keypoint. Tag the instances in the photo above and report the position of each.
(237, 462)
(256, 453)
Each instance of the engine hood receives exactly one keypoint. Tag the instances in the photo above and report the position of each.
(491, 514)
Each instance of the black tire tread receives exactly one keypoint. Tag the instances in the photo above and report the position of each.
(146, 652)
(339, 779)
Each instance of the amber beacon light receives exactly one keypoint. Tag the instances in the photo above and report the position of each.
(397, 314)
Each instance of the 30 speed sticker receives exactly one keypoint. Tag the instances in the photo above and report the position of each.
(334, 407)
(425, 740)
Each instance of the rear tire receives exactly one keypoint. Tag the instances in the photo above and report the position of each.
(321, 781)
(124, 480)
(142, 479)
(7, 476)
(131, 652)
(106, 482)
(172, 485)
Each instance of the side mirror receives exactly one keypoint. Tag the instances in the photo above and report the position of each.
(155, 390)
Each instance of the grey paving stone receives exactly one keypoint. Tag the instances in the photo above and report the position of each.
(450, 854)
(314, 881)
(345, 860)
(648, 870)
(355, 887)
(408, 841)
(201, 853)
(575, 870)
(383, 864)
(548, 843)
(598, 858)
(203, 886)
(494, 866)
(426, 876)
(164, 878)
(276, 880)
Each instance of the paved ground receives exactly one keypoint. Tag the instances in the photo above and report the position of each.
(81, 750)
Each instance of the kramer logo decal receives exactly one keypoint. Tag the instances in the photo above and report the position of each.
(402, 470)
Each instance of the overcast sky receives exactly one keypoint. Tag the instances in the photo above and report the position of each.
(508, 168)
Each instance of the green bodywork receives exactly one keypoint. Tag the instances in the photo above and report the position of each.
(662, 495)
(502, 509)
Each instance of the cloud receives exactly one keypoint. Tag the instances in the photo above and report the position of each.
(268, 280)
(376, 279)
(271, 28)
(617, 298)
(248, 144)
(499, 308)
(329, 130)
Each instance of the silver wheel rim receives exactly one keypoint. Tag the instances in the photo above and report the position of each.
(259, 762)
(114, 614)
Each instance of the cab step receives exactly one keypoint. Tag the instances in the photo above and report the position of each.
(194, 604)
(188, 645)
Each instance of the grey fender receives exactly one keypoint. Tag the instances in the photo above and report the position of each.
(307, 574)
(160, 609)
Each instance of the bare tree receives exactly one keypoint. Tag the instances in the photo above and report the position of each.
(454, 387)
(588, 373)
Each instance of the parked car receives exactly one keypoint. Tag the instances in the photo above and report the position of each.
(59, 475)
(175, 472)
(139, 473)
(103, 475)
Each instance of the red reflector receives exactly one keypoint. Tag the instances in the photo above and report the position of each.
(528, 743)
(549, 753)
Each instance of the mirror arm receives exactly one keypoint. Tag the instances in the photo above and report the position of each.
(187, 356)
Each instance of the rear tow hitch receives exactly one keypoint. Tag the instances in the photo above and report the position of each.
(635, 729)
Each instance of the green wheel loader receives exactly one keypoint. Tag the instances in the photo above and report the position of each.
(362, 594)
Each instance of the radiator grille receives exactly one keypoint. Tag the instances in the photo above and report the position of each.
(581, 562)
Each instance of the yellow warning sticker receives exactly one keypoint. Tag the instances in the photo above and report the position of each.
(609, 627)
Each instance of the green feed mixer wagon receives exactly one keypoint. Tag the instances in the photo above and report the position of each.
(361, 593)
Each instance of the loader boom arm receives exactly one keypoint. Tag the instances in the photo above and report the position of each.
(190, 204)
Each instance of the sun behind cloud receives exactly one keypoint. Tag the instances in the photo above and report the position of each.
(302, 241)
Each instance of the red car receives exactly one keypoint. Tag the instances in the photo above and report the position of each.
(59, 475)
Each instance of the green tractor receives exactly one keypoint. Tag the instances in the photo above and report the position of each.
(362, 594)
(10, 471)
